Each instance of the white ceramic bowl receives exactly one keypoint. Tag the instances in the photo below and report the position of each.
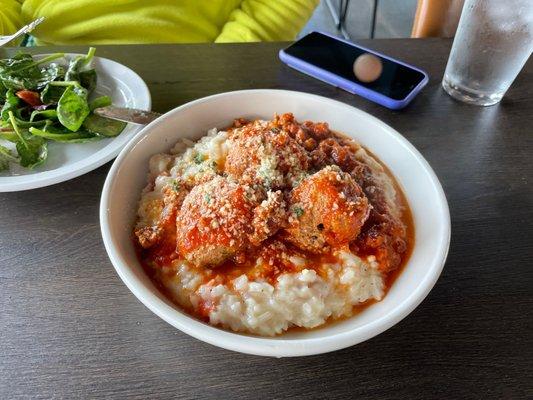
(424, 193)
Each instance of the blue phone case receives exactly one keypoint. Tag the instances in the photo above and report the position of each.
(350, 86)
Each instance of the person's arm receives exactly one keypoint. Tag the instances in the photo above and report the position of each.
(267, 20)
(10, 17)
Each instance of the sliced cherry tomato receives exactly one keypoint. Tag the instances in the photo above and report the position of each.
(30, 97)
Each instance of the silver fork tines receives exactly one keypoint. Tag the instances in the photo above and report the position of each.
(32, 25)
(25, 29)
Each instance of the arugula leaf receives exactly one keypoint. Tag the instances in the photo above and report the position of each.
(9, 136)
(102, 101)
(49, 74)
(103, 126)
(6, 156)
(26, 124)
(3, 91)
(22, 72)
(25, 57)
(72, 108)
(73, 69)
(9, 66)
(11, 104)
(75, 65)
(32, 150)
(15, 61)
(88, 79)
(59, 135)
(45, 114)
(15, 82)
(51, 94)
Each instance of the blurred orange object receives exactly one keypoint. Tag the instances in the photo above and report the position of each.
(436, 18)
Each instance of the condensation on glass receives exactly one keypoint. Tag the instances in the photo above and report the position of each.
(493, 42)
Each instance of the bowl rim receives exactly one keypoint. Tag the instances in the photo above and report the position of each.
(263, 346)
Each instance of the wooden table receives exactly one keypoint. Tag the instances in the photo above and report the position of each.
(70, 328)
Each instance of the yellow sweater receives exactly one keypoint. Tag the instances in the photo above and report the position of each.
(157, 21)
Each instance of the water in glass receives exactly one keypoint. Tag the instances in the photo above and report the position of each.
(494, 39)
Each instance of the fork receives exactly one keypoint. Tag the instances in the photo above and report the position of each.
(25, 29)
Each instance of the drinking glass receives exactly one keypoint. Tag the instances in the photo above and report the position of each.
(493, 41)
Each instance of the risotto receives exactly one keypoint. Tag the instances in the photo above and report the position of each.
(270, 225)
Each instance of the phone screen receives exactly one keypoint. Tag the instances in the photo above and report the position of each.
(396, 81)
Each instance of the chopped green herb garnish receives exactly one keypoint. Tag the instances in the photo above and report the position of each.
(207, 198)
(299, 211)
(176, 185)
(199, 158)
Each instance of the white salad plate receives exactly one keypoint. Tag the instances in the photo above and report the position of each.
(127, 177)
(69, 160)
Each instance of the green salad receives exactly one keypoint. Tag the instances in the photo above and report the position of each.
(41, 101)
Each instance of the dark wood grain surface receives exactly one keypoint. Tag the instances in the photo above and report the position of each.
(70, 328)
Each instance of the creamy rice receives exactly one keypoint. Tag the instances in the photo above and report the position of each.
(302, 299)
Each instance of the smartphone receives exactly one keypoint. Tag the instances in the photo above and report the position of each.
(331, 60)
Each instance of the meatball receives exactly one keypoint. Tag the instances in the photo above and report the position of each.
(163, 214)
(327, 209)
(265, 156)
(215, 221)
(269, 217)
